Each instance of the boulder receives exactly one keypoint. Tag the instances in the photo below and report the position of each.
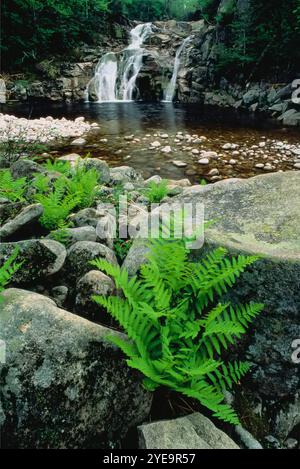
(79, 257)
(27, 216)
(93, 283)
(100, 166)
(84, 233)
(191, 432)
(25, 168)
(123, 174)
(261, 216)
(63, 385)
(41, 259)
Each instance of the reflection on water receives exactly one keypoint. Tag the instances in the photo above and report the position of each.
(147, 121)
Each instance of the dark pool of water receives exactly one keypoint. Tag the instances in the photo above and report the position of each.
(146, 121)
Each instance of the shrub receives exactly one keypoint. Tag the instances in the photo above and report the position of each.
(176, 326)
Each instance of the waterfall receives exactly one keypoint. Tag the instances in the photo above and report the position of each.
(105, 78)
(170, 91)
(115, 80)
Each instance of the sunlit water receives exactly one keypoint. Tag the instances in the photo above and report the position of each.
(147, 121)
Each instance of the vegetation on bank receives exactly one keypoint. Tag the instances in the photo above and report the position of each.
(255, 36)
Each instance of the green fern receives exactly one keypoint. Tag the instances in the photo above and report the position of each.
(7, 270)
(176, 326)
(156, 192)
(58, 166)
(57, 204)
(10, 188)
(84, 184)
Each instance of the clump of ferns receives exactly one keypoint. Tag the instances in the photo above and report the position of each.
(177, 325)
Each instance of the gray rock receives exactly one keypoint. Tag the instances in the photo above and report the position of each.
(25, 168)
(60, 294)
(261, 216)
(72, 158)
(78, 142)
(42, 258)
(290, 117)
(137, 255)
(100, 166)
(84, 233)
(63, 385)
(27, 216)
(79, 257)
(123, 174)
(191, 432)
(86, 217)
(93, 283)
(246, 438)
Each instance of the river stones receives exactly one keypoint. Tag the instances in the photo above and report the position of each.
(62, 384)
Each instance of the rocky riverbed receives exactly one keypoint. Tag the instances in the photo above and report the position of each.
(195, 151)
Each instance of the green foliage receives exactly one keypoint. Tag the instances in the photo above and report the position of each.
(58, 166)
(61, 235)
(156, 192)
(75, 188)
(10, 188)
(7, 270)
(121, 247)
(176, 326)
(83, 184)
(58, 203)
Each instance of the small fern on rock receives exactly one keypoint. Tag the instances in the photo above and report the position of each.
(7, 270)
(176, 324)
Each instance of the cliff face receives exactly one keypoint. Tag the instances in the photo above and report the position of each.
(197, 80)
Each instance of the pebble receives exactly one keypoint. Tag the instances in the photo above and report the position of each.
(214, 172)
(166, 149)
(155, 144)
(79, 142)
(179, 164)
(203, 161)
(195, 151)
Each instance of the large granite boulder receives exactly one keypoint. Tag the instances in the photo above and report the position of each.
(62, 384)
(261, 216)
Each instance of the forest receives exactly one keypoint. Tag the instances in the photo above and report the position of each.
(266, 33)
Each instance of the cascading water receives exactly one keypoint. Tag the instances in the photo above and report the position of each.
(170, 91)
(105, 78)
(116, 80)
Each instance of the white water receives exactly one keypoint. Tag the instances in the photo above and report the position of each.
(170, 91)
(116, 80)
